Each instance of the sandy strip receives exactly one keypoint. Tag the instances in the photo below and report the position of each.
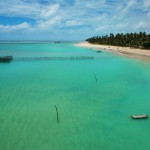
(137, 53)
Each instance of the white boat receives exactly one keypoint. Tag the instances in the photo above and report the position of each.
(139, 116)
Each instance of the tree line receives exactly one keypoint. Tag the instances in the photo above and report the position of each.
(134, 40)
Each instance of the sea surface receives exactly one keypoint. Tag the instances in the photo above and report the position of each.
(94, 98)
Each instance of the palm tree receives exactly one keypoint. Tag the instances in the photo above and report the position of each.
(129, 39)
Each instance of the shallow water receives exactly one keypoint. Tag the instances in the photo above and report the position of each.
(93, 115)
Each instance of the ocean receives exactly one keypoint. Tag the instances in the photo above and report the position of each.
(95, 99)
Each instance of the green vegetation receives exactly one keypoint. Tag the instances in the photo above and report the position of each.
(146, 45)
(6, 59)
(134, 40)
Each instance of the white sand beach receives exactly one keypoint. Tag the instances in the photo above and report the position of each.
(137, 53)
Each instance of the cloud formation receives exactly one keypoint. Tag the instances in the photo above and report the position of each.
(75, 19)
(8, 28)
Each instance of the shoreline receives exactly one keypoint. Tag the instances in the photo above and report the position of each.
(126, 51)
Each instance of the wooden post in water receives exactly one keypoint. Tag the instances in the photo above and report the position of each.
(95, 77)
(57, 114)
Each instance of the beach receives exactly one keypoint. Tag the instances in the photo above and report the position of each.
(127, 51)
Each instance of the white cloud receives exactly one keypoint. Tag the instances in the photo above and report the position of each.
(119, 26)
(101, 28)
(49, 11)
(94, 5)
(45, 16)
(141, 25)
(124, 10)
(79, 17)
(90, 3)
(8, 28)
(28, 10)
(19, 9)
(98, 19)
(146, 3)
(73, 23)
(48, 24)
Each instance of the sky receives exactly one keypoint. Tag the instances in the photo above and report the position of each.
(70, 20)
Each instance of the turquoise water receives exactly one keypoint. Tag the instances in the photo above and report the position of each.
(93, 115)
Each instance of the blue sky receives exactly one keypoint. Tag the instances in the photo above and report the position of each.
(71, 19)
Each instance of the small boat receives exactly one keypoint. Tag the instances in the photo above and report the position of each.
(139, 116)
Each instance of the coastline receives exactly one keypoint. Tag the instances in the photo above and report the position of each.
(127, 51)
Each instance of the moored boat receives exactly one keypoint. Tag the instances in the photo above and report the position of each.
(139, 116)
